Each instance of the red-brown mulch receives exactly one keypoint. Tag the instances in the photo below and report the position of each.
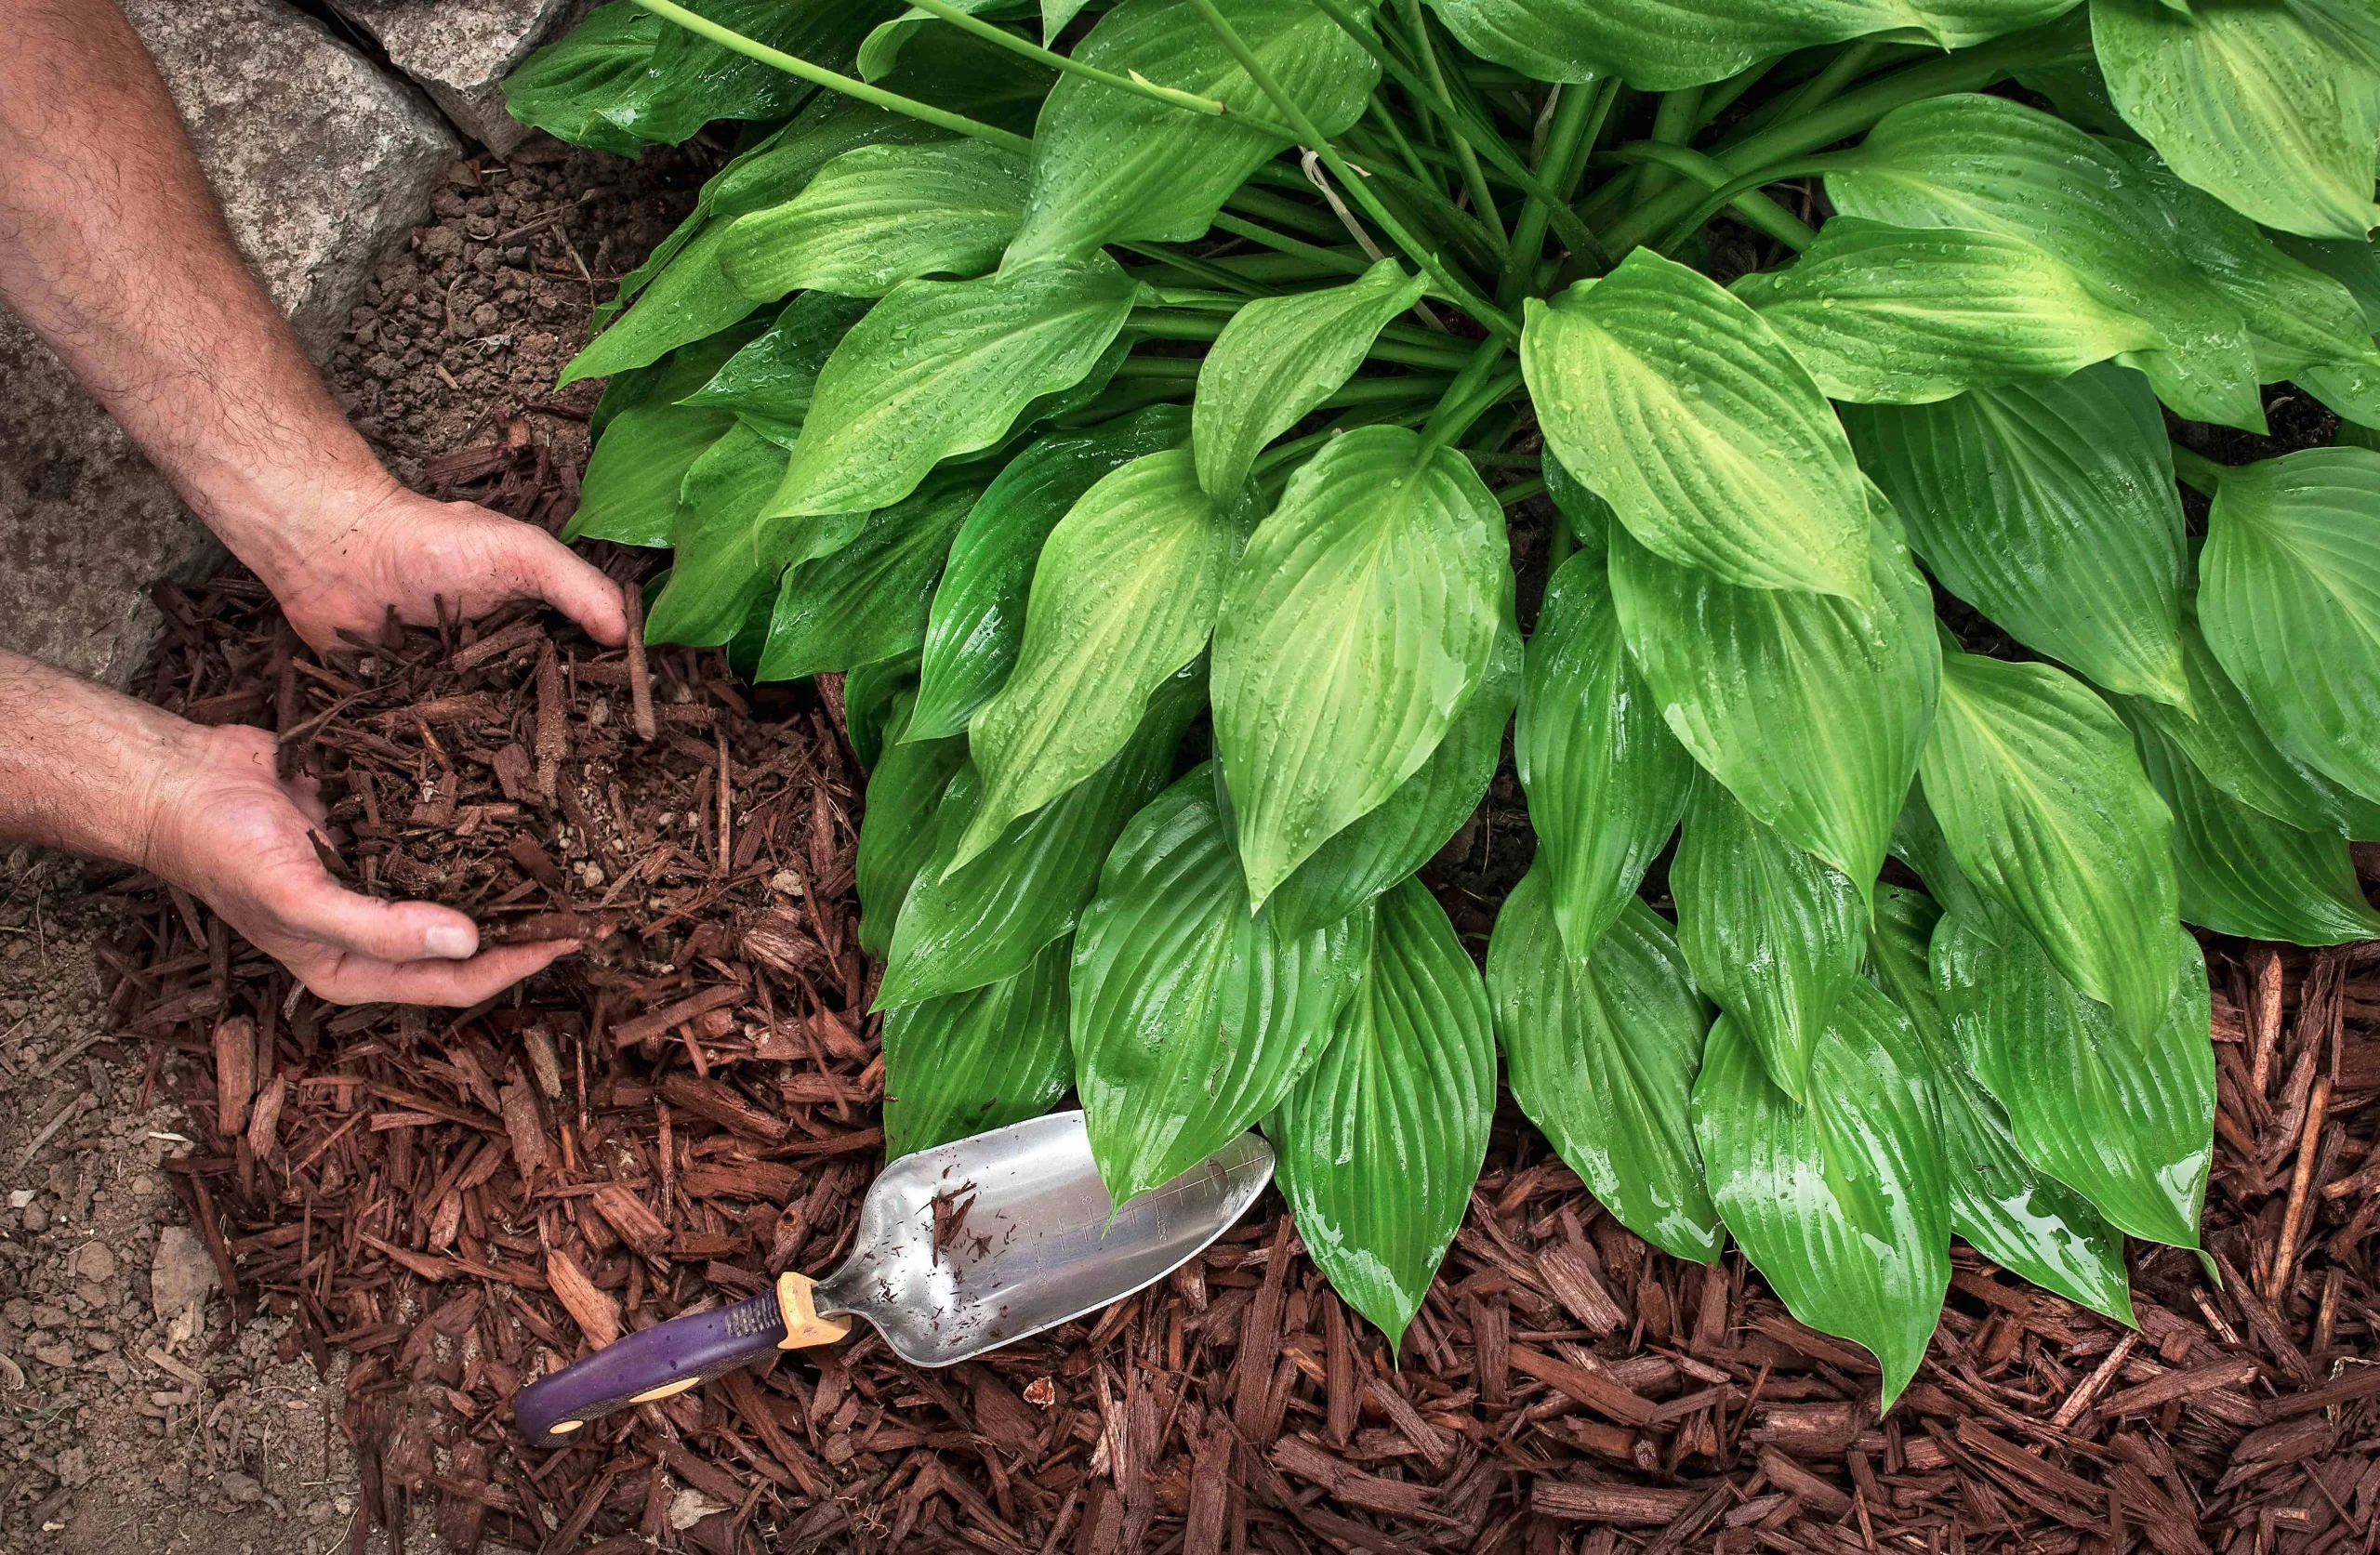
(460, 1200)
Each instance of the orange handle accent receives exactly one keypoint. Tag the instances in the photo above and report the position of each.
(803, 1326)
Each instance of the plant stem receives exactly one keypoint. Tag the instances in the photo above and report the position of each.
(1720, 95)
(1347, 264)
(1454, 288)
(1842, 70)
(1734, 192)
(1196, 267)
(1472, 179)
(1474, 390)
(1520, 492)
(2197, 471)
(1674, 119)
(818, 75)
(1282, 211)
(1754, 206)
(1571, 117)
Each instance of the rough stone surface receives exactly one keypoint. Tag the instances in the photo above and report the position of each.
(182, 1273)
(321, 161)
(459, 51)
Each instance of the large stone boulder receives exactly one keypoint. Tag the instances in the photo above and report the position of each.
(459, 51)
(321, 162)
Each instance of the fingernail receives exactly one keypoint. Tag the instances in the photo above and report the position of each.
(451, 942)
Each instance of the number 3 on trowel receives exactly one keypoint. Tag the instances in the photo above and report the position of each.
(962, 1248)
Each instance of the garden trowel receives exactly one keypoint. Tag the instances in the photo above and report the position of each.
(960, 1250)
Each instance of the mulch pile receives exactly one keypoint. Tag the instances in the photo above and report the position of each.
(461, 1201)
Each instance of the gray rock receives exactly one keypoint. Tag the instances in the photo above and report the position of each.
(459, 51)
(180, 1273)
(321, 162)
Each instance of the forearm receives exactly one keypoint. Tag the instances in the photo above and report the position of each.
(83, 768)
(112, 250)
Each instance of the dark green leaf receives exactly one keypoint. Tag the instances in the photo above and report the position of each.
(1382, 1140)
(869, 693)
(867, 600)
(879, 215)
(1193, 1015)
(2129, 1126)
(572, 89)
(1360, 619)
(1606, 781)
(768, 384)
(629, 493)
(2050, 506)
(703, 81)
(726, 560)
(1843, 1205)
(896, 833)
(984, 1059)
(1602, 1053)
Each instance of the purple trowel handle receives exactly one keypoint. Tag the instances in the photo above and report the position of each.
(653, 1362)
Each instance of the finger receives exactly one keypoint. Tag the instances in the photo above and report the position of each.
(363, 979)
(316, 908)
(551, 571)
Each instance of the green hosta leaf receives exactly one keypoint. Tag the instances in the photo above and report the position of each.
(726, 561)
(1656, 46)
(1695, 421)
(1904, 315)
(1601, 1052)
(1986, 163)
(1124, 595)
(870, 694)
(1772, 934)
(943, 367)
(2242, 871)
(1918, 842)
(768, 384)
(669, 380)
(984, 1059)
(2289, 598)
(1844, 1204)
(1387, 844)
(867, 600)
(1810, 712)
(1112, 167)
(2246, 102)
(629, 493)
(690, 300)
(2352, 27)
(1382, 1138)
(2129, 1126)
(978, 922)
(1055, 14)
(2231, 749)
(1360, 619)
(879, 215)
(2043, 803)
(1606, 781)
(1192, 1015)
(1280, 357)
(881, 52)
(571, 89)
(978, 616)
(2015, 1214)
(896, 834)
(703, 81)
(1588, 517)
(2050, 506)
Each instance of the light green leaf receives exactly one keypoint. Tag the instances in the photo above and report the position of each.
(2015, 1214)
(1113, 166)
(688, 301)
(2043, 802)
(2289, 598)
(1695, 421)
(1606, 781)
(1987, 164)
(984, 1059)
(1381, 1140)
(2050, 506)
(1811, 713)
(879, 215)
(629, 493)
(2242, 871)
(896, 834)
(768, 384)
(726, 561)
(867, 600)
(1385, 845)
(986, 919)
(1193, 1015)
(1656, 46)
(1906, 315)
(943, 367)
(2352, 27)
(1278, 359)
(1055, 14)
(977, 622)
(1361, 617)
(2229, 748)
(2244, 101)
(1843, 1205)
(1601, 1052)
(2130, 1127)
(1124, 595)
(1773, 935)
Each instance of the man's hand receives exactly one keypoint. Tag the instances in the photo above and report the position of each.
(344, 563)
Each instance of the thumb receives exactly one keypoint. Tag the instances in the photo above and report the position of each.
(552, 572)
(318, 909)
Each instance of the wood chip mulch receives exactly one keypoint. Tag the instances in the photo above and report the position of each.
(460, 1201)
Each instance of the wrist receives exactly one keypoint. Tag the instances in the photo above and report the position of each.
(90, 771)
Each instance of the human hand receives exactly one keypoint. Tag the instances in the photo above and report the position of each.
(353, 555)
(226, 829)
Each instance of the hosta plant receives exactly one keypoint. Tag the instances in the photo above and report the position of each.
(1127, 401)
